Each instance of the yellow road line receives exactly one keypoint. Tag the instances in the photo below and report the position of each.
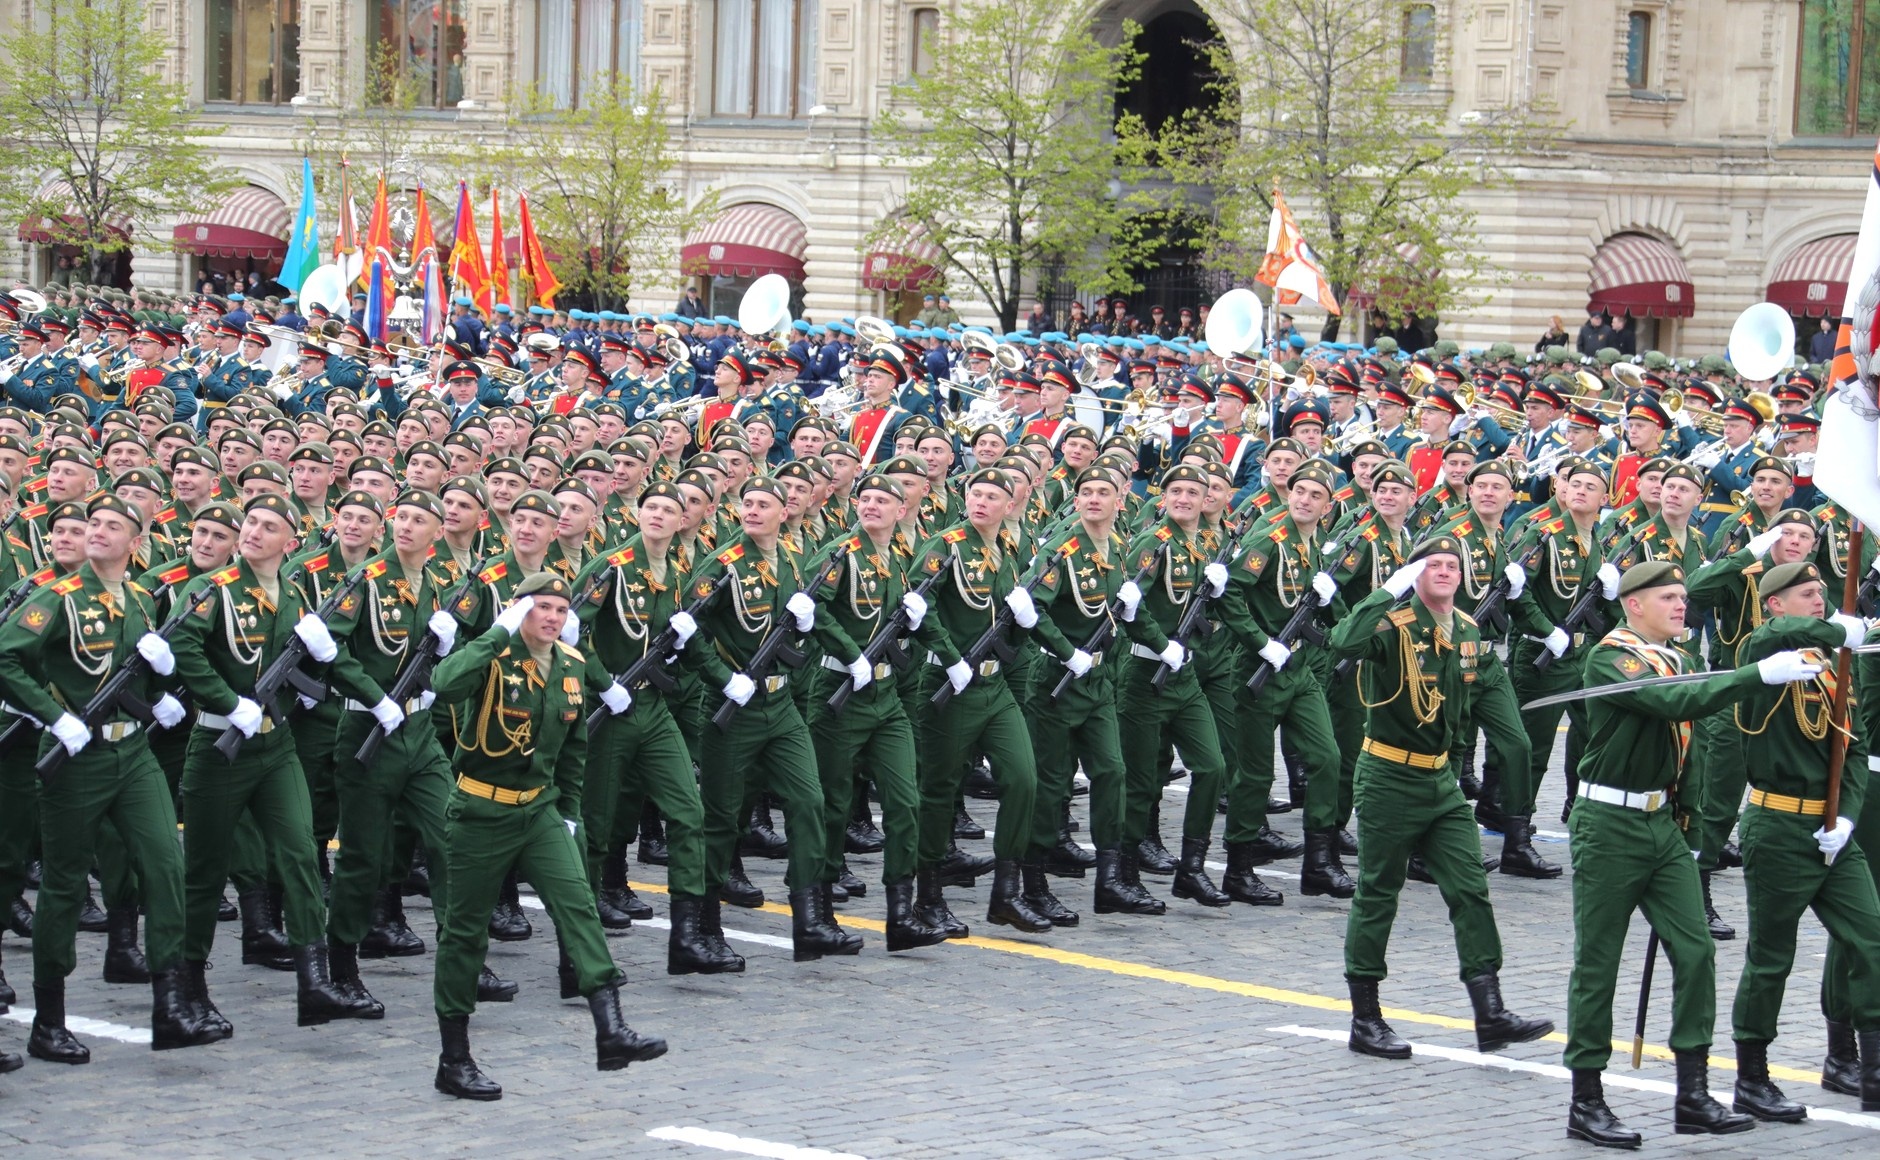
(1259, 991)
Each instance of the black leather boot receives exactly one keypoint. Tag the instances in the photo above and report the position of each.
(615, 1044)
(1322, 872)
(652, 851)
(849, 942)
(417, 879)
(979, 782)
(491, 988)
(862, 835)
(1695, 1113)
(965, 827)
(1269, 845)
(1496, 1026)
(1278, 805)
(1488, 802)
(1869, 1071)
(812, 935)
(389, 936)
(11, 1062)
(50, 1040)
(20, 917)
(1756, 1094)
(342, 965)
(1466, 781)
(318, 998)
(457, 1073)
(762, 840)
(1416, 871)
(711, 929)
(7, 997)
(1241, 883)
(564, 970)
(1840, 1071)
(1068, 859)
(738, 890)
(123, 958)
(1130, 870)
(906, 931)
(1346, 844)
(507, 922)
(849, 885)
(173, 1021)
(608, 899)
(1370, 1035)
(1008, 906)
(1191, 876)
(91, 920)
(688, 950)
(1152, 856)
(1730, 857)
(930, 905)
(226, 911)
(262, 945)
(1037, 888)
(1114, 894)
(1295, 778)
(958, 868)
(1519, 858)
(1720, 930)
(1588, 1117)
(212, 1020)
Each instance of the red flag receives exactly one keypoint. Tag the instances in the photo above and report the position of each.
(346, 241)
(425, 270)
(499, 258)
(535, 263)
(379, 237)
(467, 270)
(1291, 268)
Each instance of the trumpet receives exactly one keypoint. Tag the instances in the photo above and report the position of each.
(1345, 441)
(501, 371)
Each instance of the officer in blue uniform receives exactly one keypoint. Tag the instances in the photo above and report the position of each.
(1393, 404)
(1733, 472)
(40, 378)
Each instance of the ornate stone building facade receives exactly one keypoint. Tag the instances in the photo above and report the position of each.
(1707, 150)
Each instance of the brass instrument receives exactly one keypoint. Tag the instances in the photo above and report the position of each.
(501, 371)
(1588, 382)
(1424, 376)
(1087, 368)
(1009, 357)
(876, 333)
(1347, 440)
(1631, 376)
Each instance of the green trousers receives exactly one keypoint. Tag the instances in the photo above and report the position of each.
(1404, 811)
(982, 720)
(1784, 874)
(1182, 713)
(1494, 710)
(1293, 698)
(643, 755)
(120, 783)
(1837, 999)
(482, 842)
(1347, 713)
(1726, 776)
(1626, 860)
(19, 812)
(409, 779)
(1078, 728)
(767, 741)
(1520, 787)
(871, 733)
(314, 734)
(264, 783)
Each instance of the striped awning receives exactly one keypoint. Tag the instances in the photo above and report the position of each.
(250, 222)
(1812, 280)
(59, 192)
(1393, 283)
(909, 262)
(747, 240)
(1641, 276)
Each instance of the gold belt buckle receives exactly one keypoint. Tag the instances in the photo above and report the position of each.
(115, 731)
(524, 797)
(267, 723)
(988, 668)
(883, 670)
(774, 683)
(1653, 800)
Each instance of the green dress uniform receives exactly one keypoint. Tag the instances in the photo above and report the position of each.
(1367, 554)
(1567, 562)
(1729, 587)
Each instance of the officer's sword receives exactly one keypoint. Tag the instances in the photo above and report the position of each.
(1652, 682)
(1644, 1000)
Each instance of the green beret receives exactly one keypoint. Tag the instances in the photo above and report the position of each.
(1772, 463)
(71, 455)
(470, 485)
(993, 477)
(696, 478)
(1501, 467)
(1657, 465)
(706, 461)
(424, 501)
(1650, 574)
(1578, 466)
(819, 465)
(1686, 472)
(122, 435)
(316, 451)
(147, 478)
(1393, 472)
(903, 465)
(217, 512)
(538, 501)
(766, 485)
(595, 460)
(1795, 516)
(627, 449)
(841, 447)
(542, 584)
(74, 509)
(662, 490)
(426, 447)
(1101, 473)
(988, 429)
(929, 431)
(1785, 576)
(572, 486)
(881, 483)
(282, 424)
(460, 438)
(364, 499)
(1437, 546)
(1287, 443)
(1456, 447)
(1372, 447)
(764, 417)
(271, 502)
(507, 464)
(262, 469)
(1184, 473)
(105, 501)
(370, 463)
(238, 435)
(1314, 471)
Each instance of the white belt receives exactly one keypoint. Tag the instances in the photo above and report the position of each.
(412, 706)
(1873, 763)
(218, 722)
(116, 731)
(882, 670)
(1149, 654)
(986, 668)
(1646, 802)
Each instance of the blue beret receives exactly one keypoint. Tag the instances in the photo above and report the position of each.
(1149, 340)
(1201, 347)
(503, 308)
(237, 297)
(669, 316)
(460, 300)
(723, 320)
(1296, 342)
(797, 324)
(540, 311)
(289, 300)
(1134, 344)
(818, 331)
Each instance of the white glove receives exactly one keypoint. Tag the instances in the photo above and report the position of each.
(1131, 596)
(804, 609)
(571, 630)
(861, 672)
(320, 646)
(1761, 542)
(156, 650)
(245, 716)
(1330, 550)
(1557, 642)
(570, 823)
(1080, 663)
(1517, 580)
(445, 626)
(1682, 419)
(1783, 667)
(168, 711)
(1609, 580)
(684, 626)
(518, 393)
(88, 360)
(1023, 610)
(1324, 587)
(616, 698)
(740, 688)
(7, 375)
(281, 390)
(916, 606)
(1404, 578)
(1853, 626)
(513, 616)
(1216, 574)
(960, 674)
(71, 733)
(1831, 842)
(1275, 654)
(306, 702)
(1173, 655)
(389, 714)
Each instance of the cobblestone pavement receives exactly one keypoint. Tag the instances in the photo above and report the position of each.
(1201, 1033)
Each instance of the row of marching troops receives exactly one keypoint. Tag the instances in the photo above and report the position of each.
(324, 630)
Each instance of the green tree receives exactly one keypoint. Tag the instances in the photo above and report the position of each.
(602, 187)
(1014, 160)
(1332, 101)
(92, 133)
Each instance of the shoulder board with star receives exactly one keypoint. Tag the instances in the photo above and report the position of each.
(34, 512)
(494, 572)
(1465, 618)
(621, 558)
(44, 577)
(318, 563)
(852, 544)
(17, 542)
(174, 575)
(731, 555)
(137, 588)
(1753, 569)
(1648, 531)
(1464, 528)
(1165, 533)
(69, 585)
(1403, 617)
(1370, 531)
(166, 516)
(226, 576)
(38, 483)
(954, 535)
(1555, 526)
(1745, 519)
(378, 568)
(1278, 534)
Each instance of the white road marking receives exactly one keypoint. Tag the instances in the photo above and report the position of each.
(746, 1145)
(95, 1028)
(1554, 1071)
(769, 940)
